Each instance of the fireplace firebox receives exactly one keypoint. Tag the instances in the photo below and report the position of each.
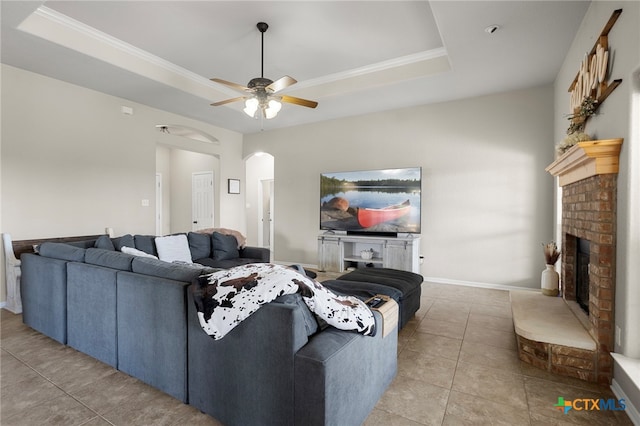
(583, 254)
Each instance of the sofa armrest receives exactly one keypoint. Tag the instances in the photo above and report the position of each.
(247, 377)
(261, 253)
(44, 295)
(323, 396)
(152, 331)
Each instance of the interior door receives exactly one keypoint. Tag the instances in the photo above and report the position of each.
(202, 200)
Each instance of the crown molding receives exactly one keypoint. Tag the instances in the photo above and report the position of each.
(63, 30)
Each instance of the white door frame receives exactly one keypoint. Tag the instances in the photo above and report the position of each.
(261, 218)
(158, 204)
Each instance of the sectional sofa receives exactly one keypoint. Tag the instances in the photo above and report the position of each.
(137, 314)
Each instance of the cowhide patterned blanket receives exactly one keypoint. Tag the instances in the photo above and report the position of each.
(225, 298)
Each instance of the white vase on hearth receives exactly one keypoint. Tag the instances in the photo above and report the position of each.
(549, 281)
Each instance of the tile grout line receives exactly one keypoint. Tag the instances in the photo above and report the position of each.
(25, 363)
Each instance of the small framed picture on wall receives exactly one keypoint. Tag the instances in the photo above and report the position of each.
(234, 186)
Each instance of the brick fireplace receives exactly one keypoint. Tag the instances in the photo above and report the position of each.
(588, 176)
(588, 213)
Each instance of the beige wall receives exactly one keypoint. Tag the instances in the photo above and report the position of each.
(615, 119)
(73, 164)
(487, 201)
(183, 165)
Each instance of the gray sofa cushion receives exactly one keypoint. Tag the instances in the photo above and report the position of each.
(224, 264)
(347, 373)
(62, 251)
(199, 244)
(152, 331)
(146, 243)
(44, 295)
(104, 242)
(109, 259)
(224, 247)
(310, 323)
(171, 271)
(125, 240)
(91, 311)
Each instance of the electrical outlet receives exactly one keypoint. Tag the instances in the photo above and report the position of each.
(145, 203)
(618, 335)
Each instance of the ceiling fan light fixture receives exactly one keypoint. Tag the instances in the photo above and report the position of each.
(272, 109)
(251, 106)
(262, 90)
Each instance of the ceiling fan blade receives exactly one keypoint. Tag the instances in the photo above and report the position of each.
(228, 101)
(230, 84)
(281, 83)
(299, 101)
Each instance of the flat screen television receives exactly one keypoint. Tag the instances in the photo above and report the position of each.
(382, 202)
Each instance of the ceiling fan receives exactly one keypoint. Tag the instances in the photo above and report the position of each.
(262, 92)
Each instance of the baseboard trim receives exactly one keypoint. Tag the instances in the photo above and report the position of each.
(3, 304)
(439, 280)
(630, 409)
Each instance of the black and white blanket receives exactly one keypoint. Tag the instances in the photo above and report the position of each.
(225, 298)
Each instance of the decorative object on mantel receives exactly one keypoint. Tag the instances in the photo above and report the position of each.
(590, 87)
(550, 278)
(571, 140)
(586, 159)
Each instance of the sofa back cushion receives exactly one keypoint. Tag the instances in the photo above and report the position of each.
(146, 243)
(62, 251)
(109, 259)
(224, 247)
(171, 271)
(199, 244)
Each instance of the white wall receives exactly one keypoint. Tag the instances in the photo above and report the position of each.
(183, 165)
(618, 117)
(615, 119)
(73, 164)
(487, 201)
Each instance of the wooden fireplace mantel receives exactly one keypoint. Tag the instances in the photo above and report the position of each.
(586, 159)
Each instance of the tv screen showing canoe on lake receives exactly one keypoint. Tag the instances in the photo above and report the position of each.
(376, 201)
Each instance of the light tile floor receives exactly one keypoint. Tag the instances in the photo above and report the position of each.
(457, 365)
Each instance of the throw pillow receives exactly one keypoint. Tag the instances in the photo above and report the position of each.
(224, 247)
(104, 242)
(136, 252)
(173, 247)
(200, 245)
(125, 240)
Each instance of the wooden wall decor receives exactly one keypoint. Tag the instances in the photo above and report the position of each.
(590, 87)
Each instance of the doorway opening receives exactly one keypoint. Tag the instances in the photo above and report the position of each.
(261, 207)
